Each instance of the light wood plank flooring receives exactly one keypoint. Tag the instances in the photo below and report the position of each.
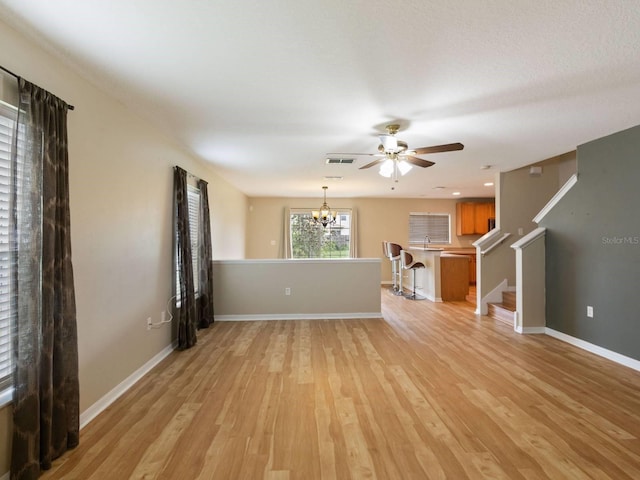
(429, 392)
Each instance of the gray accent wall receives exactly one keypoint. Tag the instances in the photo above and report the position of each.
(593, 248)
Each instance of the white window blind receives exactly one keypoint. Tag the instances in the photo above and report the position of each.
(7, 126)
(193, 199)
(193, 194)
(436, 226)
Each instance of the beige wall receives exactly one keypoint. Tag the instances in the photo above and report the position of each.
(523, 196)
(121, 207)
(349, 288)
(520, 199)
(379, 219)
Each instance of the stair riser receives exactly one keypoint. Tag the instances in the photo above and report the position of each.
(501, 314)
(509, 300)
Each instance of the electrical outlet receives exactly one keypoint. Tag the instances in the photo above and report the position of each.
(589, 311)
(287, 291)
(149, 323)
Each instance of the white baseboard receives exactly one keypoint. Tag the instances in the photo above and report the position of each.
(94, 410)
(590, 347)
(296, 316)
(426, 295)
(530, 330)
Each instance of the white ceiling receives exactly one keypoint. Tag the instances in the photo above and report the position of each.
(264, 89)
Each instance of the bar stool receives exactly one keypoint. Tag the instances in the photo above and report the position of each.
(409, 264)
(393, 250)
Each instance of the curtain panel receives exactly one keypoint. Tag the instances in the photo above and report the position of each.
(186, 314)
(205, 300)
(286, 233)
(45, 345)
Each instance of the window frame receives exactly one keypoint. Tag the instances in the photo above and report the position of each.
(306, 212)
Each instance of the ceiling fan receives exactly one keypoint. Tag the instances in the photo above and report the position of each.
(396, 157)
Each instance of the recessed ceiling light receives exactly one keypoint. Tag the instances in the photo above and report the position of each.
(485, 167)
(439, 188)
(488, 184)
(455, 193)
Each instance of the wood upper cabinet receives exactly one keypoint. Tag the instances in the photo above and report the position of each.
(465, 218)
(472, 218)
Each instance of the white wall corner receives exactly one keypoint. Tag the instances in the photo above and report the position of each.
(94, 410)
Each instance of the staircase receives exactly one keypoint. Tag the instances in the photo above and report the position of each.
(503, 311)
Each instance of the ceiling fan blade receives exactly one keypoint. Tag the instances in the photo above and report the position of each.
(375, 162)
(449, 147)
(418, 161)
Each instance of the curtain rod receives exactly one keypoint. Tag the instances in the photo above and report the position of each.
(6, 70)
(189, 174)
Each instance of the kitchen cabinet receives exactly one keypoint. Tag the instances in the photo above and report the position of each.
(471, 253)
(454, 272)
(472, 218)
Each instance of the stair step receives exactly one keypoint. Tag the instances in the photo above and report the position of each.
(501, 312)
(509, 300)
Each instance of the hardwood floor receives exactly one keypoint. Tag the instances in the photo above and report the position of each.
(429, 392)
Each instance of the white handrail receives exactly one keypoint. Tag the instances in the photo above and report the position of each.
(556, 198)
(529, 238)
(495, 244)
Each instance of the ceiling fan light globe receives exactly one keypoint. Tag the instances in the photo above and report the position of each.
(404, 167)
(386, 168)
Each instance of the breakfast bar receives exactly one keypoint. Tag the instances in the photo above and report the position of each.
(444, 278)
(427, 279)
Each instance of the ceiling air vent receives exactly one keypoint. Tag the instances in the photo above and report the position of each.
(334, 160)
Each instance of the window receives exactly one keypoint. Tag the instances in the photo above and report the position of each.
(311, 240)
(436, 226)
(193, 198)
(7, 127)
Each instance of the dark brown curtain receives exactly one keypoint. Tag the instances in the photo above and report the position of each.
(45, 344)
(205, 301)
(186, 314)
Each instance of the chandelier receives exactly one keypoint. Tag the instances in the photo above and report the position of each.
(324, 216)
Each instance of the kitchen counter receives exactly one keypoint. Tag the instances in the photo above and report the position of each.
(427, 279)
(445, 276)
